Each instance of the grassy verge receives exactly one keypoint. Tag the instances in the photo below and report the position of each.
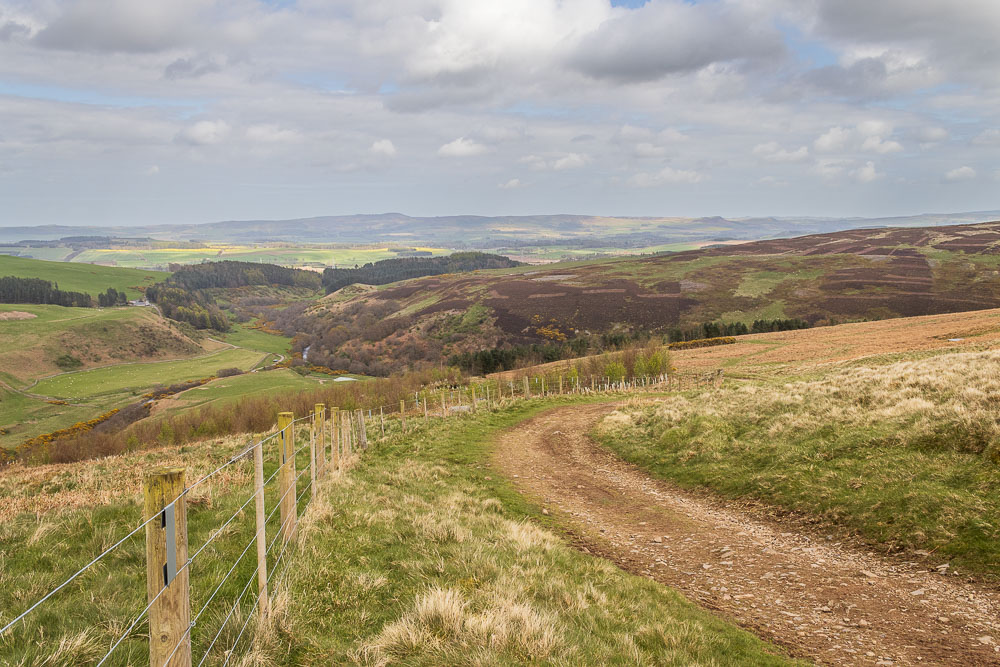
(902, 455)
(424, 556)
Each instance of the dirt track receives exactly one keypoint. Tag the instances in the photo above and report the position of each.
(825, 601)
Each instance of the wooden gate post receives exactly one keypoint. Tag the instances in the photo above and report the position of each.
(320, 427)
(263, 599)
(166, 574)
(286, 475)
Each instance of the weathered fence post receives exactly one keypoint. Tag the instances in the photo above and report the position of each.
(312, 456)
(166, 552)
(362, 429)
(263, 600)
(381, 418)
(335, 437)
(527, 389)
(286, 475)
(424, 402)
(319, 427)
(560, 385)
(444, 405)
(402, 414)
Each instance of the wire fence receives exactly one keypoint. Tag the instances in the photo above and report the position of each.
(269, 484)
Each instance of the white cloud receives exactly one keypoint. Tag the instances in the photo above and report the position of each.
(666, 176)
(272, 134)
(152, 170)
(462, 147)
(205, 133)
(646, 149)
(879, 145)
(833, 140)
(512, 184)
(964, 173)
(867, 173)
(773, 152)
(383, 148)
(569, 161)
(830, 168)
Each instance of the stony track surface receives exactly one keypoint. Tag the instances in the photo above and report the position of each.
(826, 601)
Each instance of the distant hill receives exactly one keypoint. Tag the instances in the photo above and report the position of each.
(825, 278)
(493, 232)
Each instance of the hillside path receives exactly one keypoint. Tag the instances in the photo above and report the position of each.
(825, 601)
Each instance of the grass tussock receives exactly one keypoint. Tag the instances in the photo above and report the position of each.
(904, 455)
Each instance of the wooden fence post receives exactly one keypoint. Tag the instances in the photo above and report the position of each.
(402, 414)
(381, 417)
(263, 600)
(319, 426)
(362, 429)
(560, 385)
(166, 558)
(312, 456)
(444, 405)
(527, 389)
(286, 475)
(335, 437)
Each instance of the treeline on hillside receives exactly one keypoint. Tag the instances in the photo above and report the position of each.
(195, 308)
(721, 329)
(483, 362)
(240, 274)
(36, 290)
(401, 268)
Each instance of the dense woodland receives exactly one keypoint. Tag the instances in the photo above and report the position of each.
(36, 290)
(239, 274)
(402, 268)
(193, 307)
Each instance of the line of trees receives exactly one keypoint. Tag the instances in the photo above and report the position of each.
(36, 290)
(112, 297)
(722, 329)
(402, 268)
(240, 274)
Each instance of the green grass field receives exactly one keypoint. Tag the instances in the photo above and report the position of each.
(254, 339)
(141, 376)
(75, 277)
(232, 389)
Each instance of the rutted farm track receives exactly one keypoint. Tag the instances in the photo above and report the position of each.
(825, 601)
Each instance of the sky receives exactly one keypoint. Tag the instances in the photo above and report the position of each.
(134, 112)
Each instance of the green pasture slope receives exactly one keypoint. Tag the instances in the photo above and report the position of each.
(74, 277)
(139, 376)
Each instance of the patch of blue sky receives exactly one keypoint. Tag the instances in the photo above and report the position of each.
(87, 96)
(808, 50)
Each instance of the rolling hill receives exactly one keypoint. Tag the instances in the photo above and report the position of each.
(87, 278)
(822, 279)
